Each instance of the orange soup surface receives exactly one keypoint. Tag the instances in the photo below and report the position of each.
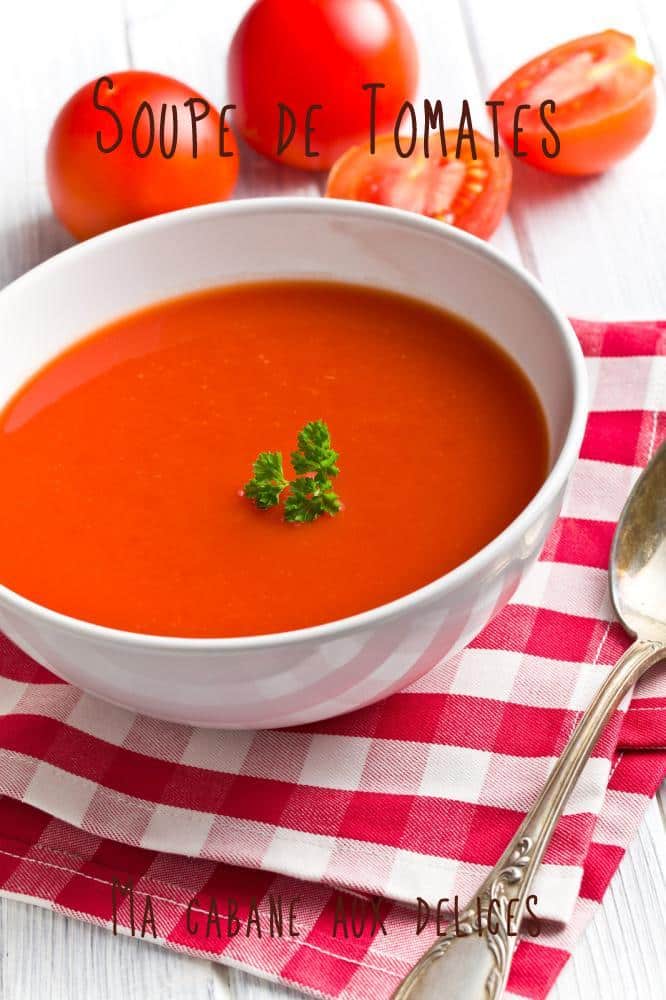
(122, 461)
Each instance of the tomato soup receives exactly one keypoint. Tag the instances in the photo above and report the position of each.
(122, 462)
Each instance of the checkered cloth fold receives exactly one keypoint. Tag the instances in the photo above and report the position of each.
(414, 796)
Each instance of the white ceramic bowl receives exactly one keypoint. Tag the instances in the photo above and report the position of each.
(313, 673)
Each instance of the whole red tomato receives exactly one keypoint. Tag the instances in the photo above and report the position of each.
(147, 126)
(319, 52)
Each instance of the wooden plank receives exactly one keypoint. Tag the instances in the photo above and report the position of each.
(620, 956)
(46, 53)
(598, 244)
(49, 956)
(245, 987)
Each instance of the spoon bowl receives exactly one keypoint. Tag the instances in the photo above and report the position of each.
(638, 555)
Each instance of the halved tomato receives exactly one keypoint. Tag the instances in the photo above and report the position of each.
(469, 192)
(604, 104)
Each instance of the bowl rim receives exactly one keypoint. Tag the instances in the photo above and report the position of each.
(442, 585)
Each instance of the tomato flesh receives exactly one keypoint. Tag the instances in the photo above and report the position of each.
(605, 103)
(469, 193)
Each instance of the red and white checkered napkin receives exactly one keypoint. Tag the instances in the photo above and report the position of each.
(416, 796)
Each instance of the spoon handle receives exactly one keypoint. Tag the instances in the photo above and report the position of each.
(472, 960)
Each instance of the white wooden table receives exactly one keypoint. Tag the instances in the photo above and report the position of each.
(598, 245)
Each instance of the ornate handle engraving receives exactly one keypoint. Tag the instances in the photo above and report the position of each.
(500, 942)
(489, 924)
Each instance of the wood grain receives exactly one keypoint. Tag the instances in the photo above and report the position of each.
(621, 955)
(39, 70)
(48, 956)
(598, 245)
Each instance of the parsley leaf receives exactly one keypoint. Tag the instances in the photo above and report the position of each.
(315, 453)
(311, 494)
(268, 480)
(309, 498)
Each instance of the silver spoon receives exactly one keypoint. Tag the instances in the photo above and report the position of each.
(472, 961)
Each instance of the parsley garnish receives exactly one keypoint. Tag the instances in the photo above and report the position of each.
(314, 452)
(308, 499)
(268, 480)
(311, 494)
